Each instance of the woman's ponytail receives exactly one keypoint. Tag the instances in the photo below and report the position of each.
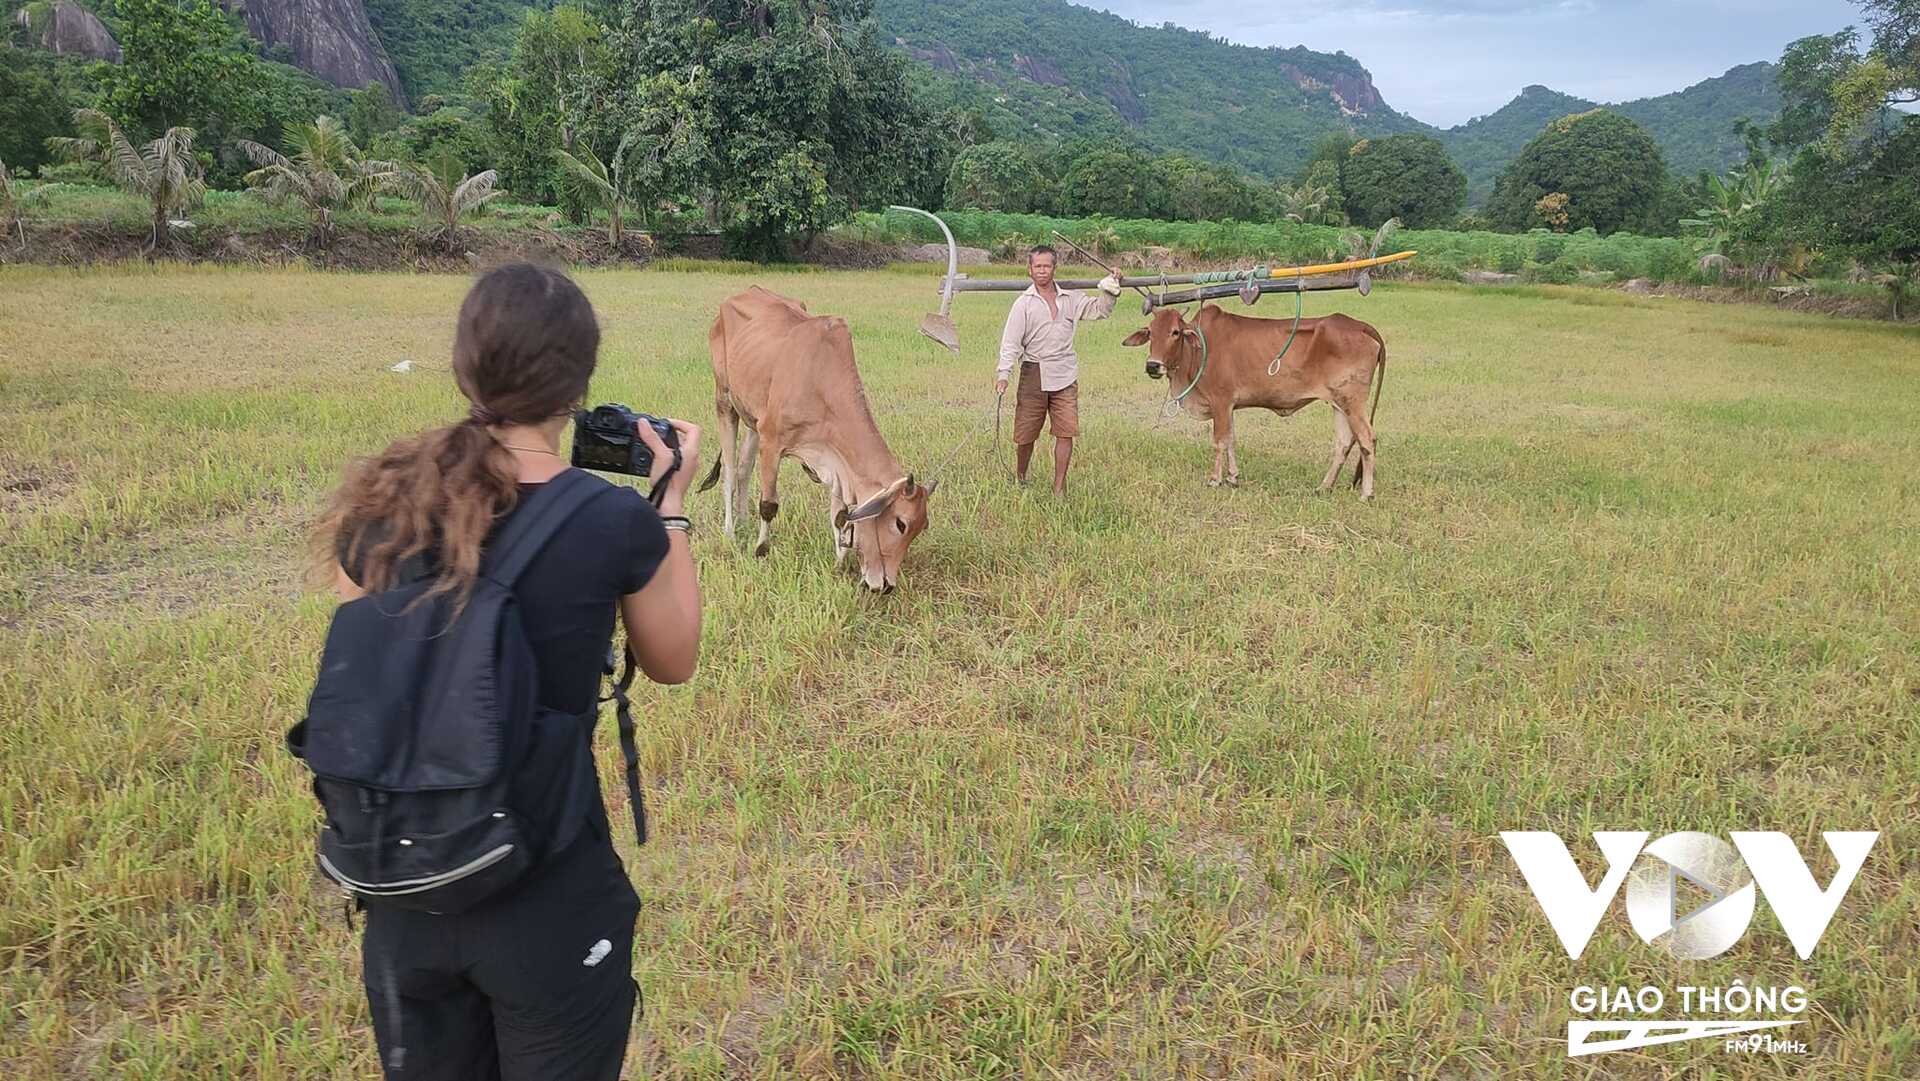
(524, 348)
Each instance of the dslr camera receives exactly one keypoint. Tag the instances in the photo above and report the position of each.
(607, 438)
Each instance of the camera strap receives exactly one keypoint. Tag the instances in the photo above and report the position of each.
(660, 488)
(629, 748)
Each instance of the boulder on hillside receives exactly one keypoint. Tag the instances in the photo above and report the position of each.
(1488, 277)
(331, 39)
(67, 28)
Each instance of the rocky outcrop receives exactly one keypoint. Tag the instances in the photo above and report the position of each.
(71, 30)
(1355, 94)
(1039, 69)
(332, 39)
(939, 57)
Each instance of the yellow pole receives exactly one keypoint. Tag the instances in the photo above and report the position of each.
(1335, 268)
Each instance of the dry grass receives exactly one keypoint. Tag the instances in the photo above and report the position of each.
(1160, 781)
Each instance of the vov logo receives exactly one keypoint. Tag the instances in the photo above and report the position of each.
(1654, 888)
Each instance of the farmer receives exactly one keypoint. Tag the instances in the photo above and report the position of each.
(1039, 336)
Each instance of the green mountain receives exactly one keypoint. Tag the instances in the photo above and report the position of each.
(1694, 127)
(1049, 69)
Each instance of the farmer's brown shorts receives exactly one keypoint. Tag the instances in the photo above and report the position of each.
(1035, 406)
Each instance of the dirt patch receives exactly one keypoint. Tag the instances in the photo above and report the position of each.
(25, 487)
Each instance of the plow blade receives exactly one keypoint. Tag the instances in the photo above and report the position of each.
(939, 327)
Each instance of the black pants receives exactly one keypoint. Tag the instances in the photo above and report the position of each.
(537, 983)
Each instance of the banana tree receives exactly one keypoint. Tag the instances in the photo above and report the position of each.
(444, 193)
(1727, 227)
(163, 173)
(603, 184)
(326, 173)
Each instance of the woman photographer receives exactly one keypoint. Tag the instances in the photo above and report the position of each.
(536, 982)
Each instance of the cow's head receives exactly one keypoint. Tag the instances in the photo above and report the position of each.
(1173, 345)
(883, 527)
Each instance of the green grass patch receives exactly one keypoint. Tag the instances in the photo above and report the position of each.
(1156, 781)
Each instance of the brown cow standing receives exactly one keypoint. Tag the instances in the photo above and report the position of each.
(1332, 359)
(790, 379)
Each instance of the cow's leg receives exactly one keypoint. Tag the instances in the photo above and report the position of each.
(743, 461)
(729, 450)
(1363, 435)
(769, 496)
(836, 503)
(1233, 455)
(1342, 446)
(1222, 437)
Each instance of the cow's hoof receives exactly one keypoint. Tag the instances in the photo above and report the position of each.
(760, 550)
(1213, 482)
(1233, 482)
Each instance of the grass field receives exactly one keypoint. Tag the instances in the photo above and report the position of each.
(1158, 781)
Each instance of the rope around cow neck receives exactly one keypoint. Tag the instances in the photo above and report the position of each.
(1299, 306)
(1173, 404)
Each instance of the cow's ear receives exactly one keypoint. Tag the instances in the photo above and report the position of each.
(1139, 337)
(872, 508)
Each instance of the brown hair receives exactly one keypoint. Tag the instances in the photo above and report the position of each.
(523, 351)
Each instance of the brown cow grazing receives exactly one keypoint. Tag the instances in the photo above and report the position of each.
(789, 378)
(1219, 363)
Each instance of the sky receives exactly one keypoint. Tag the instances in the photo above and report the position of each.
(1448, 61)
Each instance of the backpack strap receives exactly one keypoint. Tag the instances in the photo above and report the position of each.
(540, 516)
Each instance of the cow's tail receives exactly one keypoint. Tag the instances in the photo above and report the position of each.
(1381, 364)
(717, 346)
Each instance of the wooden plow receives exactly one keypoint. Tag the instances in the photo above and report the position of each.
(1249, 284)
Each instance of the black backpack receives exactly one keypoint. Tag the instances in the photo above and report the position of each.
(424, 724)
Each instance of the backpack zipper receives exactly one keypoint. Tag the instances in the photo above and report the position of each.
(415, 885)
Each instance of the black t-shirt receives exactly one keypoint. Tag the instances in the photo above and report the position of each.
(569, 594)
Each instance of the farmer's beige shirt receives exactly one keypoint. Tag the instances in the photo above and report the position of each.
(1034, 334)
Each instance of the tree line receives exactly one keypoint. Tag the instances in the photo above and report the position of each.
(771, 121)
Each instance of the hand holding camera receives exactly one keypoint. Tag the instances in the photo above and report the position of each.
(686, 437)
(614, 439)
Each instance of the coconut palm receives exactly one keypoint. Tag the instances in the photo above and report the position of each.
(602, 183)
(163, 172)
(326, 173)
(444, 193)
(1304, 203)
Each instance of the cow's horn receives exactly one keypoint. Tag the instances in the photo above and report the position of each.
(872, 508)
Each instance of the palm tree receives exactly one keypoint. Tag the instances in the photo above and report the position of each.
(162, 172)
(443, 199)
(598, 182)
(326, 173)
(1304, 203)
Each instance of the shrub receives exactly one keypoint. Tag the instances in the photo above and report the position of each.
(1553, 274)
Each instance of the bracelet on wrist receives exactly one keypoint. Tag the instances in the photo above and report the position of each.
(678, 522)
